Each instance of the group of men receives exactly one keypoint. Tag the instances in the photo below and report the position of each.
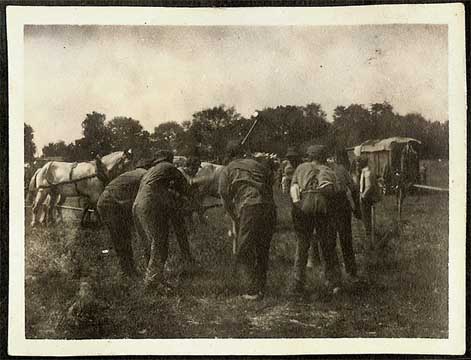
(152, 197)
(155, 195)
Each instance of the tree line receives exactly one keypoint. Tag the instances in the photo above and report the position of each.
(208, 131)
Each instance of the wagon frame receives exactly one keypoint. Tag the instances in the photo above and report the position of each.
(394, 161)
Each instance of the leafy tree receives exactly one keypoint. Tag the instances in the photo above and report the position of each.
(168, 135)
(56, 149)
(355, 124)
(352, 125)
(211, 128)
(96, 136)
(29, 145)
(127, 133)
(60, 148)
(284, 126)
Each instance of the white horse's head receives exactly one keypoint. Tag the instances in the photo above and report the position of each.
(117, 162)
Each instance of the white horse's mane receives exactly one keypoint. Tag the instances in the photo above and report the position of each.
(111, 159)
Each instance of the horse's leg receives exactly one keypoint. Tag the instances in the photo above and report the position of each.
(60, 202)
(84, 215)
(37, 205)
(51, 206)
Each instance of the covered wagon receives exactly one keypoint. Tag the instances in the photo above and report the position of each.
(395, 160)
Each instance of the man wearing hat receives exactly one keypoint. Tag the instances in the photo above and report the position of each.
(115, 208)
(192, 165)
(293, 159)
(159, 203)
(311, 176)
(246, 189)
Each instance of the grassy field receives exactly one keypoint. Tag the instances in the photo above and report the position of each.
(404, 292)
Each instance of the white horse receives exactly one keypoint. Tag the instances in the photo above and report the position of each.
(86, 179)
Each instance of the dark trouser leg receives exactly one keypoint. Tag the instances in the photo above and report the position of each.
(256, 225)
(158, 246)
(314, 253)
(246, 256)
(303, 226)
(262, 248)
(118, 222)
(121, 237)
(326, 231)
(179, 227)
(345, 235)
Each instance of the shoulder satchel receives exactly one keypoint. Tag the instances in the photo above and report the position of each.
(315, 199)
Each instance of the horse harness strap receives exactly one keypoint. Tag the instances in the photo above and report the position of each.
(70, 181)
(101, 172)
(74, 165)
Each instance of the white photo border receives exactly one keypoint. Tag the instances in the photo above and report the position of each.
(451, 15)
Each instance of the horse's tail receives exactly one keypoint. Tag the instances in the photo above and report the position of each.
(32, 186)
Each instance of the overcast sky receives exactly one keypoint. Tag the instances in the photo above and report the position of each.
(166, 73)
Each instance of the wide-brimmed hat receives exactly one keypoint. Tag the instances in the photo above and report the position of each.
(292, 152)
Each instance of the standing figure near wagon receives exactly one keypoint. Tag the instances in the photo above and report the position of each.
(160, 201)
(246, 189)
(312, 190)
(369, 195)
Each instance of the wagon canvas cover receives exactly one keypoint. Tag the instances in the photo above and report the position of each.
(382, 145)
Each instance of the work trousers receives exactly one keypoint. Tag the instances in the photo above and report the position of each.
(256, 227)
(304, 225)
(343, 217)
(118, 220)
(152, 217)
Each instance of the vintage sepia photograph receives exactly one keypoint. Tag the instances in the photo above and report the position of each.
(237, 181)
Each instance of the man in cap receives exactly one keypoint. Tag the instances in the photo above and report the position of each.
(246, 189)
(115, 209)
(311, 176)
(158, 203)
(293, 159)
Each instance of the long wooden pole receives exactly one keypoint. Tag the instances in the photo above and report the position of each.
(250, 131)
(234, 230)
